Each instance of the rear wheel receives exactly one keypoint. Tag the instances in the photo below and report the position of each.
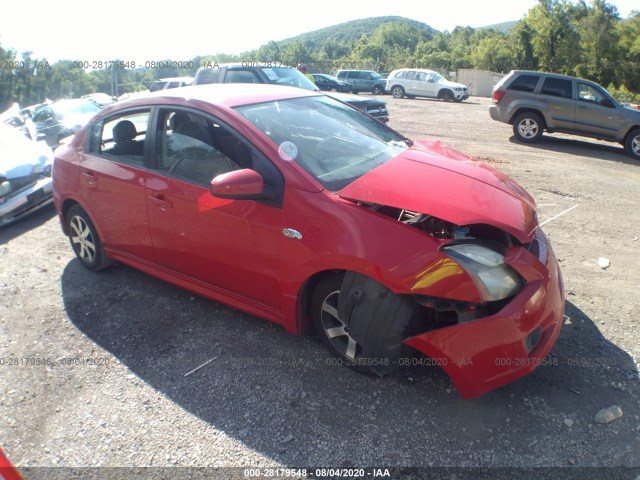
(370, 340)
(528, 127)
(632, 145)
(397, 92)
(85, 241)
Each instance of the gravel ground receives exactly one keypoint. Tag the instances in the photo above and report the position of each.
(99, 370)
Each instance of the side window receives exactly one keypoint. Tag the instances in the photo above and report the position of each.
(43, 115)
(588, 93)
(400, 74)
(524, 83)
(411, 75)
(121, 136)
(197, 149)
(558, 87)
(241, 76)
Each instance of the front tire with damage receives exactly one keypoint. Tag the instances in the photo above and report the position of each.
(362, 323)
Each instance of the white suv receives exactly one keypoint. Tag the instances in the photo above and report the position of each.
(418, 82)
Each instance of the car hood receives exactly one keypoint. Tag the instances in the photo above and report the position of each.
(21, 157)
(433, 179)
(452, 84)
(355, 99)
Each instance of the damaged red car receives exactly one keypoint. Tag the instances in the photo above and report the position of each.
(297, 208)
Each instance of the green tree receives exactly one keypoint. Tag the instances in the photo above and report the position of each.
(599, 42)
(493, 53)
(554, 37)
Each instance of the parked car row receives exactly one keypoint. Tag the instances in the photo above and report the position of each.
(401, 83)
(248, 73)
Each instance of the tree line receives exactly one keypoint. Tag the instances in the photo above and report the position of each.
(588, 40)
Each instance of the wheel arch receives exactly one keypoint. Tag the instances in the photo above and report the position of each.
(629, 130)
(305, 294)
(519, 111)
(66, 206)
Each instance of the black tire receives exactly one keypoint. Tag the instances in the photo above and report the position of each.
(632, 144)
(447, 96)
(355, 93)
(371, 341)
(378, 90)
(397, 92)
(528, 127)
(85, 240)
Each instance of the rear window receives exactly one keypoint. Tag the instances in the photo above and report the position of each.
(558, 87)
(208, 75)
(524, 83)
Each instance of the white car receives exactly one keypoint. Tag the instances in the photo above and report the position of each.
(419, 82)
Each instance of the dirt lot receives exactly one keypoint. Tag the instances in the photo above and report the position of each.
(95, 368)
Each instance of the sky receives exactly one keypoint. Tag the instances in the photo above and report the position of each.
(141, 30)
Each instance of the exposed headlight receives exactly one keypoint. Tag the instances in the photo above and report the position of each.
(495, 279)
(5, 188)
(458, 89)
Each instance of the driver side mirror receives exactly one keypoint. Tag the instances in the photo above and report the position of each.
(245, 184)
(607, 102)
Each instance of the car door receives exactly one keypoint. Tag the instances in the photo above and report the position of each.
(596, 114)
(556, 96)
(113, 179)
(233, 246)
(419, 84)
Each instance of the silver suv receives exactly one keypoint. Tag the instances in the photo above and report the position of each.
(536, 101)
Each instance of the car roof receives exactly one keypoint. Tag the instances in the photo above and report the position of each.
(175, 79)
(226, 94)
(406, 69)
(549, 74)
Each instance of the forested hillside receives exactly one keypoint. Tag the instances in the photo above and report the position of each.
(584, 39)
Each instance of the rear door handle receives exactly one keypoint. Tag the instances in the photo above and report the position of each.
(161, 201)
(90, 178)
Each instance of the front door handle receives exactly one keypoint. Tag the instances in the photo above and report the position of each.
(161, 201)
(90, 178)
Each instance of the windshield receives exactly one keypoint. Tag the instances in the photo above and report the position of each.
(437, 77)
(335, 143)
(288, 76)
(67, 107)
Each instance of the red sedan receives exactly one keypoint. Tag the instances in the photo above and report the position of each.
(299, 209)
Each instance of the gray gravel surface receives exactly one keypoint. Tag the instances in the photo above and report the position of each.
(96, 369)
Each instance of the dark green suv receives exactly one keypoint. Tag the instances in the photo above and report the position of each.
(534, 102)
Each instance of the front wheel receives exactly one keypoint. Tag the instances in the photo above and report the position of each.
(447, 96)
(397, 92)
(632, 145)
(362, 323)
(85, 241)
(527, 127)
(378, 90)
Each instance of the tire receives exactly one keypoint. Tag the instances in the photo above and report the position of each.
(355, 93)
(632, 144)
(528, 127)
(371, 342)
(377, 90)
(85, 240)
(397, 92)
(446, 96)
